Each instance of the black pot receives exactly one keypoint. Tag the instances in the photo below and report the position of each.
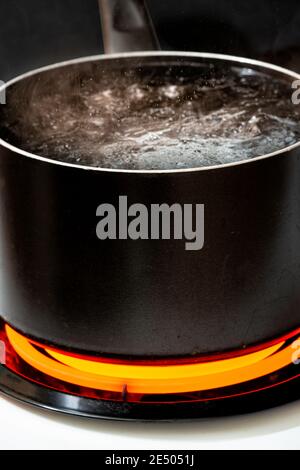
(151, 298)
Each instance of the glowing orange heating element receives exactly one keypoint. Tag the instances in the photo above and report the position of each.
(152, 379)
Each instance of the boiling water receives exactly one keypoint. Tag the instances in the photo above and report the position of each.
(155, 117)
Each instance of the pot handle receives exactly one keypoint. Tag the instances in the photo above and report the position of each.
(127, 26)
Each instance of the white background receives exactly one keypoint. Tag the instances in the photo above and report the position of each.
(25, 427)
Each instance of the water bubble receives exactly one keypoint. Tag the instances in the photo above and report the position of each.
(154, 118)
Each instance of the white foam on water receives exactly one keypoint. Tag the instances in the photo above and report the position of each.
(155, 119)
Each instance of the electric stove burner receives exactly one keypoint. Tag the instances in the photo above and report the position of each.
(231, 383)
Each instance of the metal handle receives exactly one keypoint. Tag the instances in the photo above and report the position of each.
(127, 26)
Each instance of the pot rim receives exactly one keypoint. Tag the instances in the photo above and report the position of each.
(182, 54)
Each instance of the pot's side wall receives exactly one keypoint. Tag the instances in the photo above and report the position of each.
(61, 284)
